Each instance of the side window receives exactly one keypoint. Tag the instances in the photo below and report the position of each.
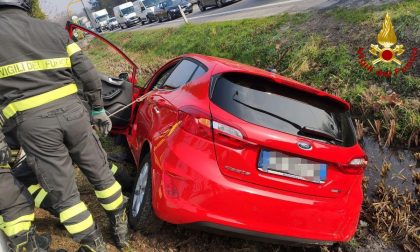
(185, 72)
(198, 72)
(163, 77)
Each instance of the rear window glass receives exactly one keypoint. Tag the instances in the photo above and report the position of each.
(263, 102)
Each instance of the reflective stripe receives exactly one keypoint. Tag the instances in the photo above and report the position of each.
(108, 192)
(38, 100)
(7, 166)
(114, 205)
(33, 188)
(114, 169)
(40, 197)
(33, 66)
(81, 226)
(72, 49)
(72, 211)
(14, 227)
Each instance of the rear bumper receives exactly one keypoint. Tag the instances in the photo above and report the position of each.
(133, 21)
(252, 235)
(188, 188)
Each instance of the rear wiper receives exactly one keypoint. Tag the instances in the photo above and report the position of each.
(297, 126)
(319, 133)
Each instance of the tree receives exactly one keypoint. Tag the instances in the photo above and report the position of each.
(36, 11)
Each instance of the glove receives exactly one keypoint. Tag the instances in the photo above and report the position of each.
(5, 154)
(101, 121)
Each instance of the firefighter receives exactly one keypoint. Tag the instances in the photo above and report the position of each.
(38, 66)
(25, 174)
(17, 210)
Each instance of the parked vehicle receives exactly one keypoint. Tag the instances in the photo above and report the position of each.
(113, 24)
(126, 16)
(204, 4)
(146, 10)
(169, 10)
(227, 146)
(101, 20)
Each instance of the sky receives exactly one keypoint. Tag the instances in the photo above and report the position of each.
(55, 7)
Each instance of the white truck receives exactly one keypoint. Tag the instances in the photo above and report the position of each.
(126, 16)
(101, 20)
(145, 9)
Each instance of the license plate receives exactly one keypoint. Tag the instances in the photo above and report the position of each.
(275, 162)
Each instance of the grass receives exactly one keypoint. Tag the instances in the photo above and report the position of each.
(316, 48)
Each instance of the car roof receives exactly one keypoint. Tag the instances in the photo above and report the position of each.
(233, 66)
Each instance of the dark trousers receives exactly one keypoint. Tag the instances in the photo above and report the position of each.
(54, 136)
(16, 205)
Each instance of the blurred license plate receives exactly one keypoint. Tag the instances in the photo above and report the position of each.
(275, 162)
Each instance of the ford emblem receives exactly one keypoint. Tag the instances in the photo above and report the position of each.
(305, 146)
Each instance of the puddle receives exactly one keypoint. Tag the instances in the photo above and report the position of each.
(402, 163)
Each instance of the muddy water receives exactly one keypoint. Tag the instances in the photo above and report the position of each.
(402, 163)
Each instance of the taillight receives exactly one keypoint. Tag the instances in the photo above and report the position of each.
(228, 135)
(201, 124)
(358, 162)
(356, 165)
(195, 122)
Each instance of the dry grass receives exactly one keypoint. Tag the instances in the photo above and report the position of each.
(393, 214)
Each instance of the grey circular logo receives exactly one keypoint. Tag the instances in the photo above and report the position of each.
(305, 146)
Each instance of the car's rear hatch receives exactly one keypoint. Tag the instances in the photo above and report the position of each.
(278, 136)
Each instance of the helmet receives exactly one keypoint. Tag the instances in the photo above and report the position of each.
(26, 5)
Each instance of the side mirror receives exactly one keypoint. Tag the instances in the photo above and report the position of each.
(123, 76)
(143, 9)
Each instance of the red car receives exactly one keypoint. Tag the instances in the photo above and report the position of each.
(227, 146)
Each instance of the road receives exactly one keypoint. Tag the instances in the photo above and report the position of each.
(240, 10)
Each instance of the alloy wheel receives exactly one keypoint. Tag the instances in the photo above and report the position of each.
(140, 190)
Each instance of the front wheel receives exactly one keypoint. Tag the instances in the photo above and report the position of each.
(141, 215)
(219, 3)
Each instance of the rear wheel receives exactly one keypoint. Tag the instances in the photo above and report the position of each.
(141, 215)
(219, 3)
(159, 20)
(201, 7)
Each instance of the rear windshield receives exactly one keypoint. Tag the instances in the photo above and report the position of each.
(265, 103)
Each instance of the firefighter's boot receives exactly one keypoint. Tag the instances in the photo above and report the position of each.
(119, 226)
(30, 242)
(94, 242)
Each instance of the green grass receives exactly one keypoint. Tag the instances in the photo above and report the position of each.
(316, 48)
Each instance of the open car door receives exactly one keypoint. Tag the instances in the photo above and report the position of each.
(119, 92)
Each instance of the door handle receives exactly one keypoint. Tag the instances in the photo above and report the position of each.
(156, 109)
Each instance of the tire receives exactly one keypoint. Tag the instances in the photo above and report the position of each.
(219, 3)
(159, 20)
(201, 7)
(149, 20)
(141, 215)
(169, 16)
